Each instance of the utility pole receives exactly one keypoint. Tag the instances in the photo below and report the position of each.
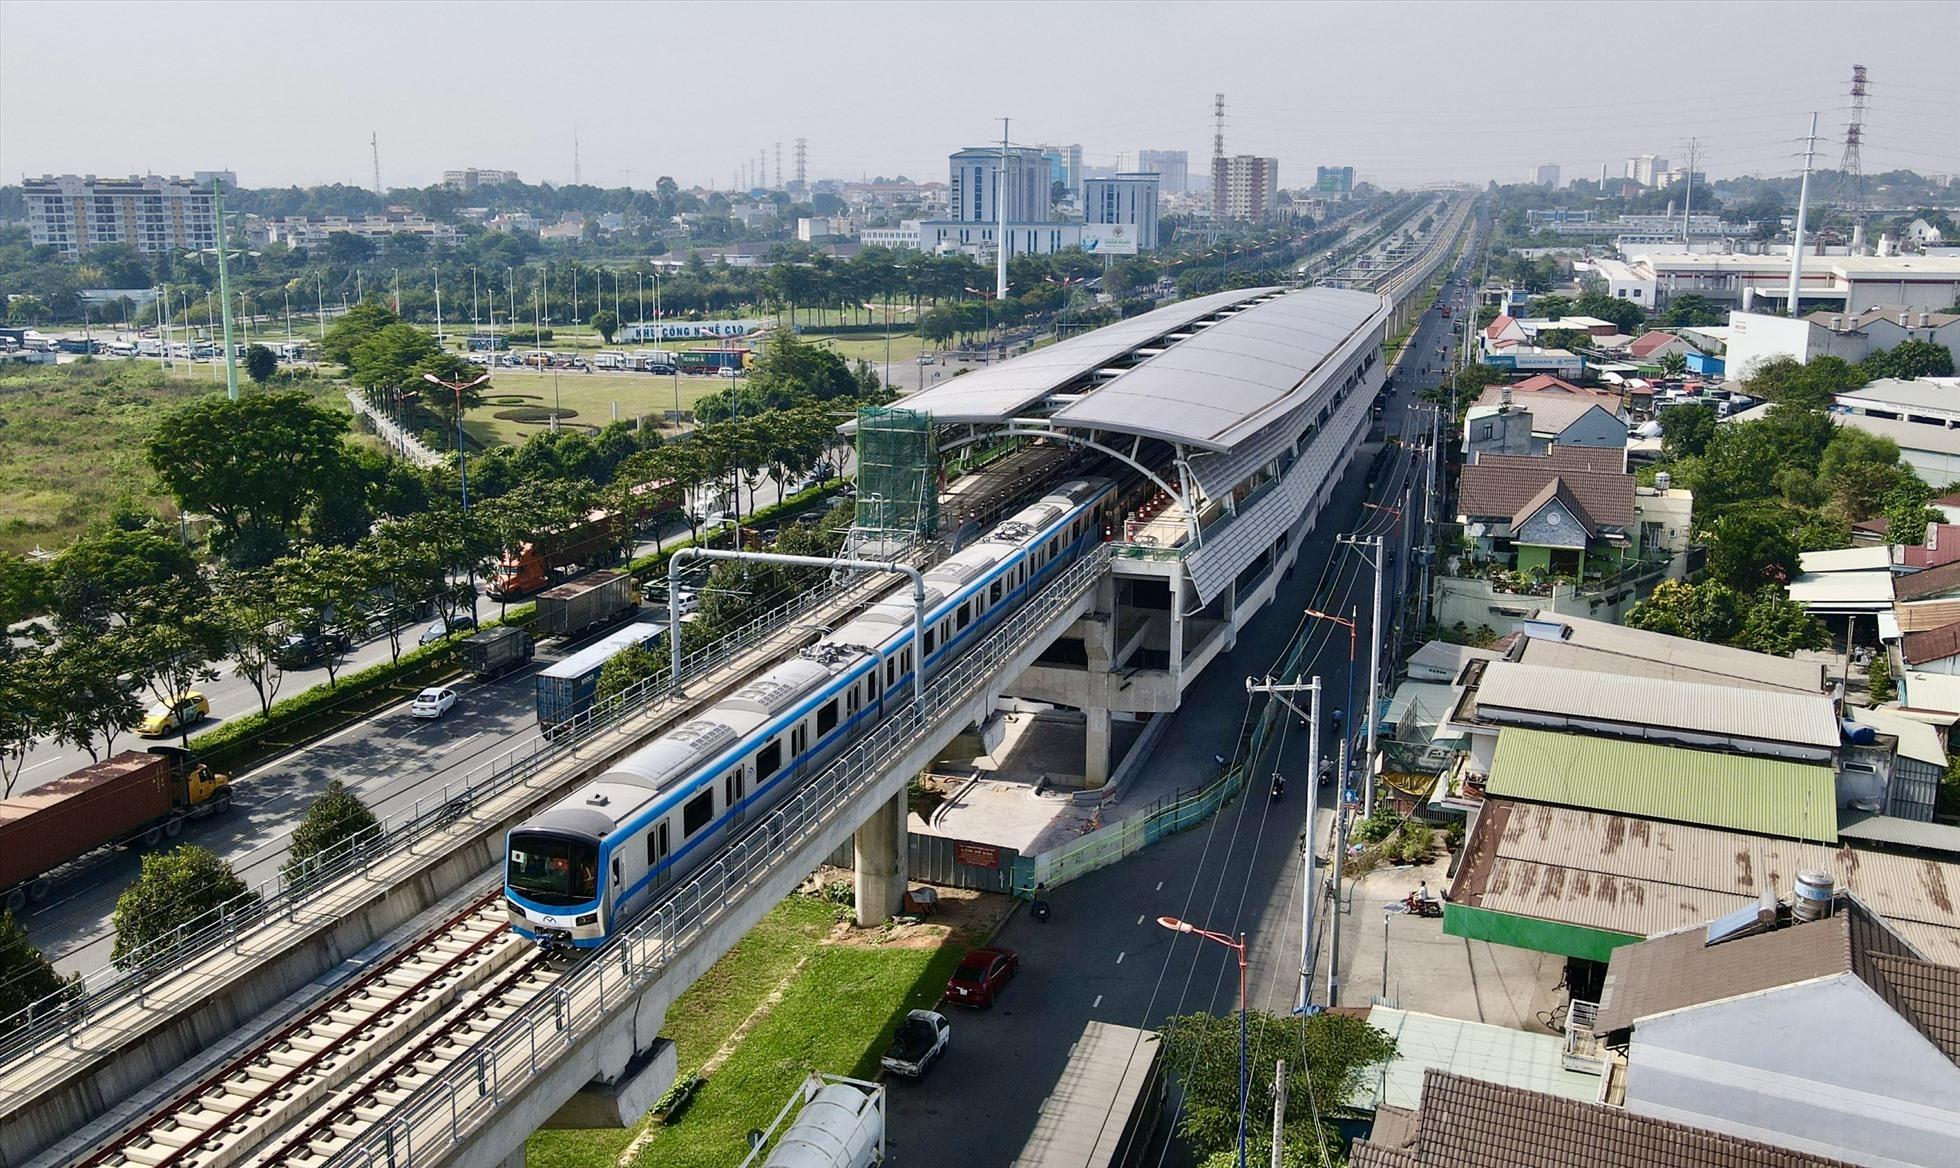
(374, 144)
(1374, 665)
(224, 290)
(1000, 216)
(1803, 204)
(1308, 890)
(1688, 208)
(1279, 1109)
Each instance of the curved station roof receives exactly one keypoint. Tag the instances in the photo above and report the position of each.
(1205, 372)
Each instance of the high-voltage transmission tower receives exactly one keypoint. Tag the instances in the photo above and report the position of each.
(779, 166)
(1854, 134)
(802, 164)
(374, 144)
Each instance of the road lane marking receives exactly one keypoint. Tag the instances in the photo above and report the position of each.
(1098, 1002)
(37, 766)
(1160, 886)
(1120, 956)
(459, 742)
(1140, 917)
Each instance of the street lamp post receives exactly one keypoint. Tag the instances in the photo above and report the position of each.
(462, 454)
(1340, 811)
(1239, 947)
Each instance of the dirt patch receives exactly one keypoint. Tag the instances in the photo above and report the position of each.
(963, 916)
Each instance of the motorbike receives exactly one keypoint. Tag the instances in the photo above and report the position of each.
(1420, 904)
(1279, 785)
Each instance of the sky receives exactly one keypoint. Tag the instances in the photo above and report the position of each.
(1407, 93)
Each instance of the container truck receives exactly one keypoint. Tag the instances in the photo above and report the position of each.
(569, 688)
(139, 796)
(495, 652)
(570, 609)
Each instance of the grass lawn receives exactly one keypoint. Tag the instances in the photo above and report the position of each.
(72, 439)
(584, 399)
(834, 1015)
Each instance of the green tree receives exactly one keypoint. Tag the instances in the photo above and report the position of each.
(1777, 624)
(327, 588)
(1686, 430)
(1551, 306)
(1740, 463)
(605, 322)
(628, 668)
(88, 702)
(253, 464)
(1878, 680)
(260, 363)
(26, 977)
(21, 588)
(251, 611)
(1707, 611)
(356, 325)
(1673, 364)
(1910, 359)
(1624, 313)
(1692, 310)
(24, 711)
(174, 636)
(1327, 1064)
(100, 577)
(1751, 547)
(336, 817)
(184, 888)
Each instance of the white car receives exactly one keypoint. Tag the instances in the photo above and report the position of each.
(433, 702)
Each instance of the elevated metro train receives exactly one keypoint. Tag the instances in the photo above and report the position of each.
(594, 860)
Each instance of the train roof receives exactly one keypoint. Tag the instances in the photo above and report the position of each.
(778, 689)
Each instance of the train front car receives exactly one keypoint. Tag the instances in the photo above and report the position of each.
(551, 877)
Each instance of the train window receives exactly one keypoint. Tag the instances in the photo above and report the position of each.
(731, 788)
(827, 717)
(657, 844)
(993, 594)
(960, 618)
(891, 672)
(769, 759)
(932, 640)
(697, 813)
(799, 740)
(1054, 547)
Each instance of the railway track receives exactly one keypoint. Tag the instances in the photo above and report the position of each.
(420, 991)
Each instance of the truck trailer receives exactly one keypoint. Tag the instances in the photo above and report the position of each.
(495, 652)
(570, 609)
(139, 796)
(569, 688)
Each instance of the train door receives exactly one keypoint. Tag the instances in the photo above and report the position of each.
(734, 788)
(659, 847)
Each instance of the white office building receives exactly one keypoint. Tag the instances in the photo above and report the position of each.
(976, 179)
(1173, 165)
(470, 178)
(1125, 200)
(78, 213)
(1545, 176)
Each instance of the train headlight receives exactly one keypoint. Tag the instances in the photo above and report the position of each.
(590, 918)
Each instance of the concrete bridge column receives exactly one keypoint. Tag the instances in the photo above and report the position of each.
(1095, 759)
(880, 878)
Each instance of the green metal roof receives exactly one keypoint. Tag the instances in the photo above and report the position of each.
(1741, 792)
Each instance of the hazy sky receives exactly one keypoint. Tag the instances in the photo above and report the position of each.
(1406, 93)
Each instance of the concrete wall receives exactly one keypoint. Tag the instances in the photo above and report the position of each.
(1825, 1067)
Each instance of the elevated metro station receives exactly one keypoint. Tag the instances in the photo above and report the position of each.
(1228, 419)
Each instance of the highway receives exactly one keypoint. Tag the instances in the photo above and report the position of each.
(1102, 955)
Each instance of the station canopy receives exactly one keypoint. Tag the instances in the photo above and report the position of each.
(1205, 373)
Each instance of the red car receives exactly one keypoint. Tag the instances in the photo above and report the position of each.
(981, 975)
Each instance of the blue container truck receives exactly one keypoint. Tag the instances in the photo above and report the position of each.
(568, 688)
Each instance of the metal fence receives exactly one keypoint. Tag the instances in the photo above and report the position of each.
(445, 1110)
(91, 993)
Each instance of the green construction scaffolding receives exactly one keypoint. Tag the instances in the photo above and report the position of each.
(897, 482)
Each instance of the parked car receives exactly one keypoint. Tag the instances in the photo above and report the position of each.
(433, 702)
(311, 648)
(460, 623)
(981, 976)
(920, 1040)
(166, 718)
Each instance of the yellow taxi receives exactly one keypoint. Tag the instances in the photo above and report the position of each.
(166, 718)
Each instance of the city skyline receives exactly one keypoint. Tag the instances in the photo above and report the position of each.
(1305, 99)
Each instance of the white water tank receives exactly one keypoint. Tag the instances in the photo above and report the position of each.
(840, 1126)
(1813, 899)
(1663, 480)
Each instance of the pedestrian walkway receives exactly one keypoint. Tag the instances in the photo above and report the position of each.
(404, 443)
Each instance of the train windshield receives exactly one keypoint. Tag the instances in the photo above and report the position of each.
(553, 870)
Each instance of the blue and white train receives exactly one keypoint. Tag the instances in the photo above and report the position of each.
(597, 858)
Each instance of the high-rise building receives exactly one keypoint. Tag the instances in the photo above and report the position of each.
(1125, 200)
(1333, 180)
(76, 213)
(1546, 175)
(1647, 169)
(1173, 165)
(975, 172)
(1065, 166)
(1247, 188)
(473, 177)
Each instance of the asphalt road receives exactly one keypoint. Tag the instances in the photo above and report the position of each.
(1102, 956)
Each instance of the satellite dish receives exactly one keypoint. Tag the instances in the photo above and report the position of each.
(1476, 530)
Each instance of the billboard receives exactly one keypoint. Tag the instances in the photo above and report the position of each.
(690, 330)
(1109, 238)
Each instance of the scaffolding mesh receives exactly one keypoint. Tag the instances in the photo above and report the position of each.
(897, 483)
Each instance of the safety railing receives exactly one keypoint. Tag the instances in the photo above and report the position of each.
(88, 995)
(442, 1113)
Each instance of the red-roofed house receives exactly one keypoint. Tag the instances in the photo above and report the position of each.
(1942, 546)
(1564, 513)
(1652, 346)
(1504, 328)
(1544, 383)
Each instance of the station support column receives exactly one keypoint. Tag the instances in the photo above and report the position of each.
(880, 862)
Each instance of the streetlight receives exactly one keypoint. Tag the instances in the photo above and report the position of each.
(1238, 946)
(462, 454)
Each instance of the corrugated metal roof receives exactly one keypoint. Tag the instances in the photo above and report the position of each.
(1495, 1054)
(1001, 391)
(1704, 787)
(1565, 655)
(1743, 664)
(1849, 559)
(1917, 738)
(1236, 376)
(1901, 832)
(1646, 705)
(1628, 874)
